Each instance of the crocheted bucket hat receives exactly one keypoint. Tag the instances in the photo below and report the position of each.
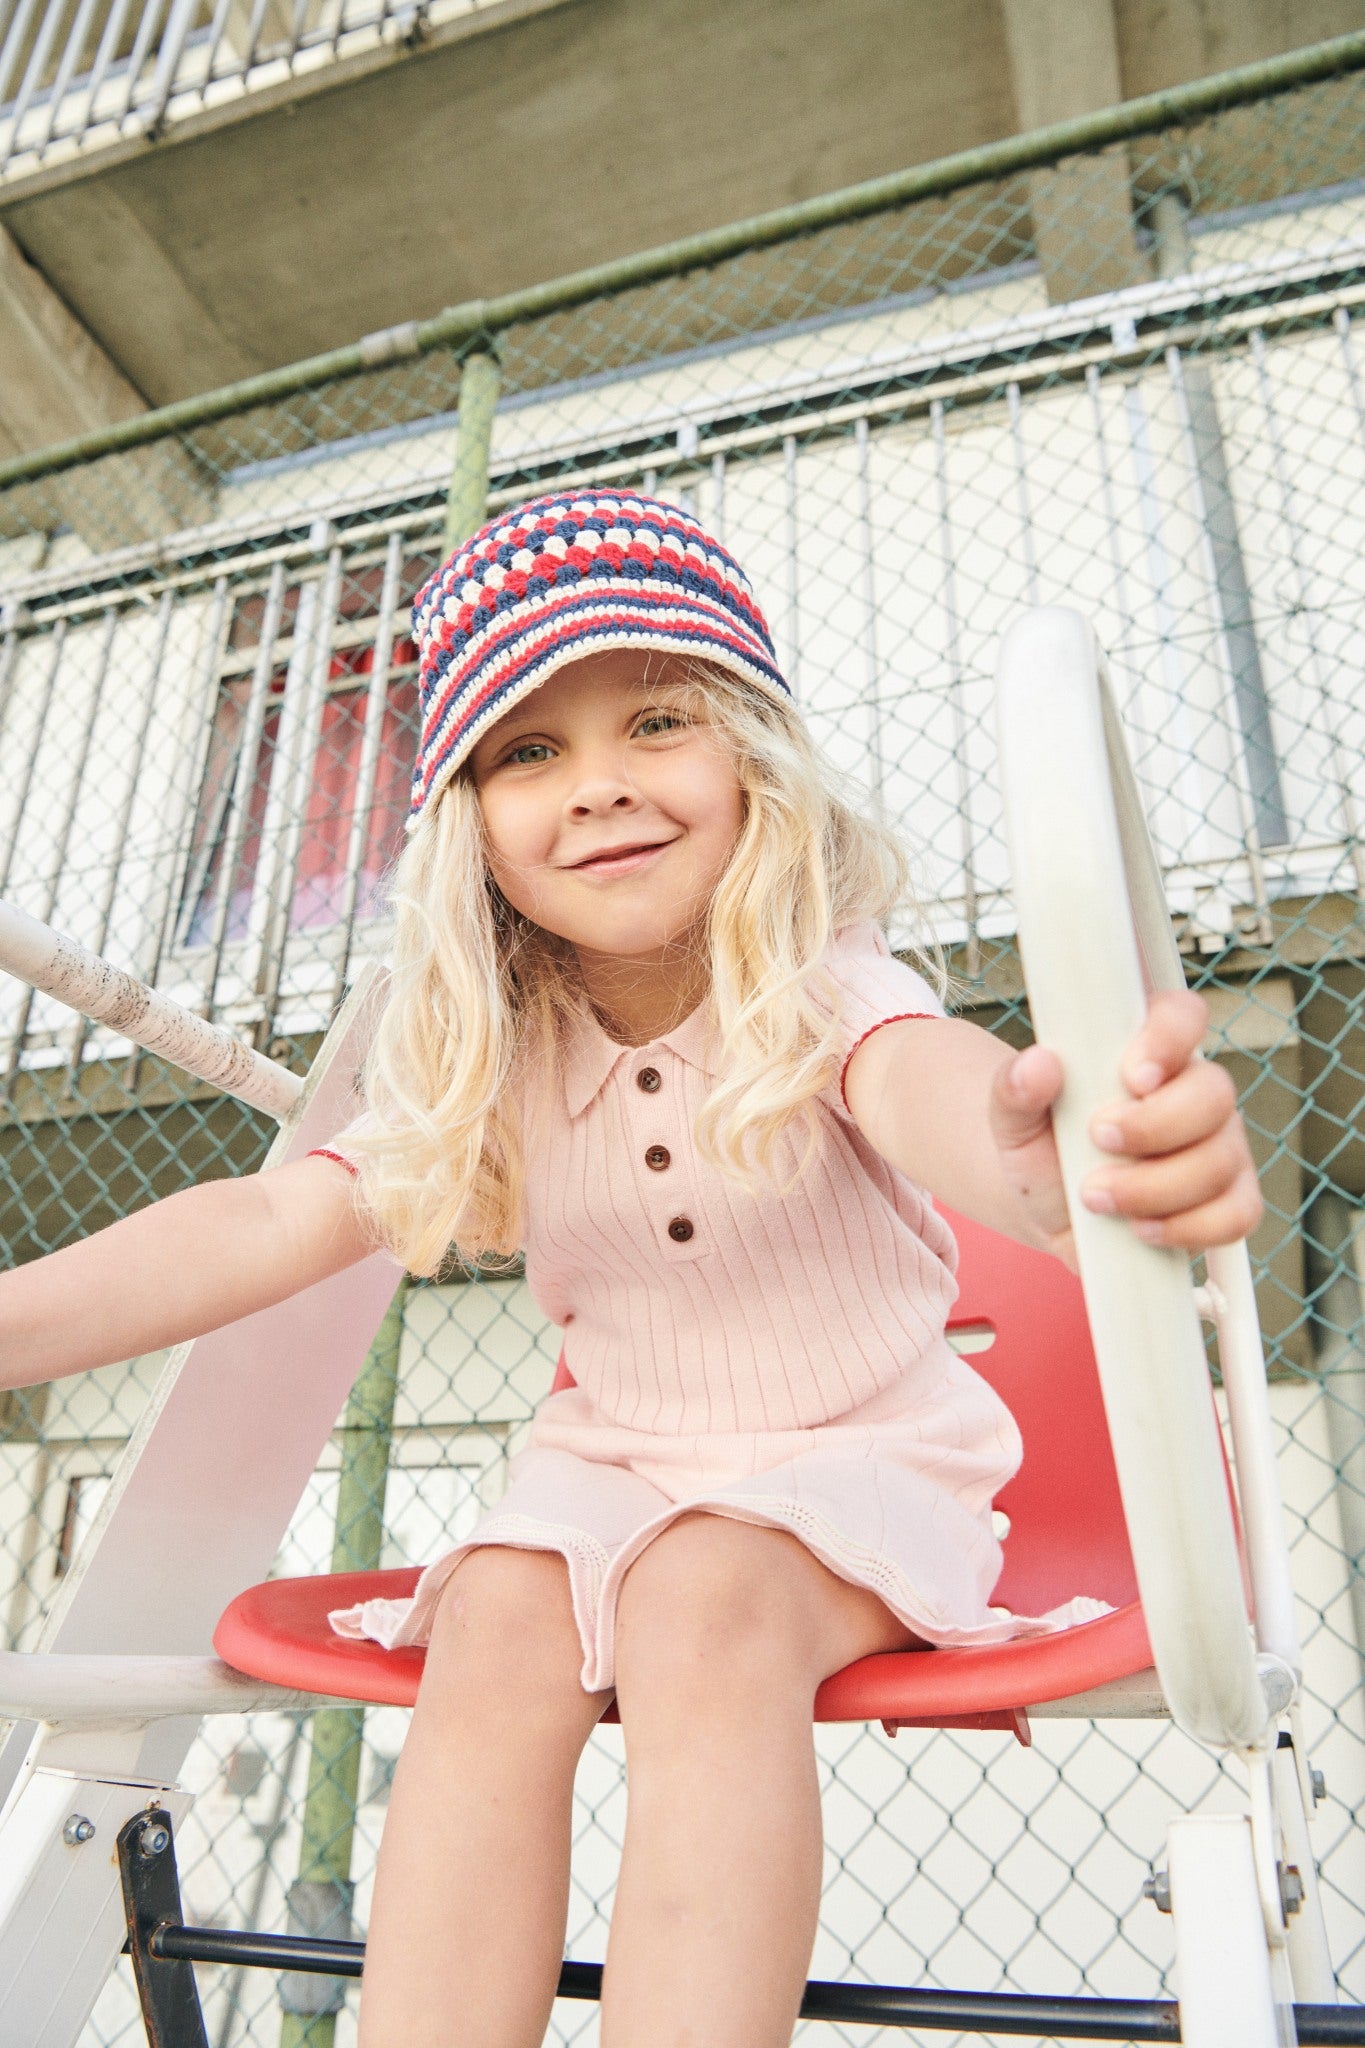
(558, 578)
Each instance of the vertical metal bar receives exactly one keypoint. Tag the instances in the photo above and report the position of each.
(480, 383)
(376, 704)
(178, 25)
(9, 666)
(1111, 517)
(1332, 1242)
(1016, 410)
(75, 43)
(247, 769)
(871, 679)
(48, 902)
(1188, 790)
(793, 565)
(948, 554)
(196, 731)
(217, 28)
(37, 62)
(1218, 516)
(104, 56)
(298, 766)
(718, 497)
(320, 1899)
(26, 785)
(146, 29)
(1243, 781)
(1309, 610)
(12, 46)
(81, 1028)
(253, 35)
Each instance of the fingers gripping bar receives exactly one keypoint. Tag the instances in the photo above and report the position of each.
(58, 966)
(1095, 935)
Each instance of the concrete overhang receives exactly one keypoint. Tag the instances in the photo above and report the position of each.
(543, 136)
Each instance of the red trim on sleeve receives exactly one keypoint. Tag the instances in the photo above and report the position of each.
(325, 1152)
(901, 1017)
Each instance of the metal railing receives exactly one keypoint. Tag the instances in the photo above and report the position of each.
(79, 75)
(907, 431)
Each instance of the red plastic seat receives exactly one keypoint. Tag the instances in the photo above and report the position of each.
(1066, 1536)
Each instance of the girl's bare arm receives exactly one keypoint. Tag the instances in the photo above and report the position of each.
(177, 1268)
(971, 1120)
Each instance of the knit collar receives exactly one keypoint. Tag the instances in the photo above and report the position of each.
(590, 1057)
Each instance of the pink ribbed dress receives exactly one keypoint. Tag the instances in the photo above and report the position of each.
(778, 1358)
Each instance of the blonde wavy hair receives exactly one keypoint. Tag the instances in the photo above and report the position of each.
(481, 997)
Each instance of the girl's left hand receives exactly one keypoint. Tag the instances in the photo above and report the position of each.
(1182, 1169)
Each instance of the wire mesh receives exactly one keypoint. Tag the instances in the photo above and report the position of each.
(1130, 381)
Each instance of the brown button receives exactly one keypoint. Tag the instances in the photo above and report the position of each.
(658, 1156)
(680, 1229)
(648, 1079)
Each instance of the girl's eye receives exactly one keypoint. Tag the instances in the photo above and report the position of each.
(529, 753)
(655, 722)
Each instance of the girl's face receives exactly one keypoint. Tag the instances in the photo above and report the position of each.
(611, 808)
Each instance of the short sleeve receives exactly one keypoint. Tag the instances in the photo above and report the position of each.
(337, 1148)
(872, 987)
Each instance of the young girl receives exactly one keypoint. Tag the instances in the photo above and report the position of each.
(644, 1023)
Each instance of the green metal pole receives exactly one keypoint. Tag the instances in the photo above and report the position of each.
(480, 382)
(474, 321)
(320, 1898)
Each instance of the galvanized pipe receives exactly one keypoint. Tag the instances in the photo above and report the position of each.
(55, 964)
(459, 326)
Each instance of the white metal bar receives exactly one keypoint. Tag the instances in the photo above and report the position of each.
(298, 765)
(146, 29)
(54, 963)
(244, 779)
(1241, 776)
(953, 623)
(1222, 1959)
(1016, 411)
(114, 868)
(192, 747)
(10, 49)
(1309, 610)
(793, 535)
(103, 1691)
(868, 636)
(1081, 856)
(178, 25)
(75, 44)
(376, 705)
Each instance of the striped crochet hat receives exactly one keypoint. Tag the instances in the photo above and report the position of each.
(555, 579)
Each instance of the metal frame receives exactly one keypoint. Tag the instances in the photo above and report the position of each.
(116, 1723)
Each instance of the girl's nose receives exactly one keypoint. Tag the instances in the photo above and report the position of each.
(602, 787)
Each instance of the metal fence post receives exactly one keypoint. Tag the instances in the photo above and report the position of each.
(480, 382)
(320, 1898)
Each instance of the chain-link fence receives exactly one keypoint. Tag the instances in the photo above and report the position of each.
(1130, 380)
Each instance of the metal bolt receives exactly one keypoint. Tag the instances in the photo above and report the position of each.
(1157, 1888)
(154, 1839)
(1319, 1785)
(77, 1830)
(1291, 1888)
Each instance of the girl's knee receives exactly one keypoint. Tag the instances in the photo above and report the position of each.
(504, 1637)
(717, 1610)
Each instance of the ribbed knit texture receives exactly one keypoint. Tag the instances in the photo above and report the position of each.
(778, 1359)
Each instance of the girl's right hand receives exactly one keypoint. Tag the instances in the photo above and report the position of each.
(177, 1268)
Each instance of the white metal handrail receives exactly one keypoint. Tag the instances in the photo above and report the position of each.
(1095, 935)
(58, 966)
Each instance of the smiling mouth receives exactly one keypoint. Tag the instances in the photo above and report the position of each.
(609, 857)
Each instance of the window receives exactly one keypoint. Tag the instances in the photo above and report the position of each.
(306, 777)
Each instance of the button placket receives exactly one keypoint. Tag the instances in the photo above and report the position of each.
(669, 1203)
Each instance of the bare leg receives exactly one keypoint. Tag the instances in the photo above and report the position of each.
(471, 1893)
(724, 1632)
